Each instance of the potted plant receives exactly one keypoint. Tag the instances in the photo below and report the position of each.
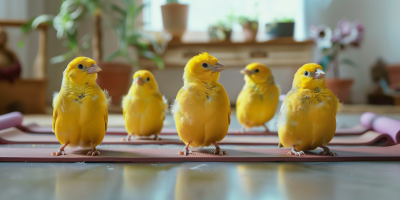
(222, 30)
(116, 76)
(174, 17)
(250, 28)
(283, 27)
(249, 25)
(332, 42)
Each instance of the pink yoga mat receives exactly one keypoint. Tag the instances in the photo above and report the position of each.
(382, 124)
(16, 136)
(9, 120)
(34, 128)
(199, 155)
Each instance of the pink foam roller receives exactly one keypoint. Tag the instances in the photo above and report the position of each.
(10, 120)
(382, 124)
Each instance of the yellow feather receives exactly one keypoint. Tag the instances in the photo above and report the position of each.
(144, 108)
(202, 108)
(307, 118)
(80, 113)
(257, 102)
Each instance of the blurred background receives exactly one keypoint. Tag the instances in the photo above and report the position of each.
(356, 41)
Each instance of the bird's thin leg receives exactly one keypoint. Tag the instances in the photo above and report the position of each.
(93, 151)
(60, 150)
(326, 151)
(127, 138)
(218, 150)
(266, 128)
(156, 137)
(185, 151)
(294, 152)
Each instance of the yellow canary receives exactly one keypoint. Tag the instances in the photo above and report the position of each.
(80, 114)
(257, 102)
(144, 108)
(202, 108)
(307, 118)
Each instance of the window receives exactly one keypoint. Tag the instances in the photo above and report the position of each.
(203, 13)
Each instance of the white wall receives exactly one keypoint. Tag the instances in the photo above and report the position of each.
(382, 35)
(380, 18)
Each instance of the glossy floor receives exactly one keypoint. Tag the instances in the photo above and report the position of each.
(351, 180)
(269, 180)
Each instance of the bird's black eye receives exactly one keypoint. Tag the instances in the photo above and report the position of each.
(306, 73)
(205, 65)
(257, 70)
(148, 78)
(80, 66)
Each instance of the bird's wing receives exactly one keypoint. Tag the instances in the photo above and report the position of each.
(229, 114)
(106, 119)
(54, 119)
(55, 113)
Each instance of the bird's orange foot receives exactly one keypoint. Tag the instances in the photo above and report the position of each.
(185, 152)
(296, 153)
(156, 138)
(127, 138)
(326, 151)
(93, 153)
(219, 152)
(58, 153)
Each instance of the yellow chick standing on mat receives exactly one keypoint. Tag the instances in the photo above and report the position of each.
(144, 108)
(80, 114)
(202, 108)
(307, 118)
(257, 102)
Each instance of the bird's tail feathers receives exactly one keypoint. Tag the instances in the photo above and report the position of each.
(108, 97)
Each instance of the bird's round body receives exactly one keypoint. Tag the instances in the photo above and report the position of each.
(202, 108)
(144, 108)
(257, 102)
(80, 114)
(307, 118)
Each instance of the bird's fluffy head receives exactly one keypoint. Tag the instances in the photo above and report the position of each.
(81, 71)
(204, 67)
(309, 76)
(145, 80)
(257, 73)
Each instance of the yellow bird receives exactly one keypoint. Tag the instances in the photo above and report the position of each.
(80, 114)
(257, 102)
(144, 108)
(202, 108)
(307, 118)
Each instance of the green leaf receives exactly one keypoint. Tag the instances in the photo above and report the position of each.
(157, 59)
(62, 58)
(20, 44)
(113, 55)
(348, 62)
(325, 62)
(118, 10)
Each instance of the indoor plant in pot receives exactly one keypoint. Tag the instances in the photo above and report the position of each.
(331, 42)
(283, 27)
(250, 28)
(175, 17)
(115, 76)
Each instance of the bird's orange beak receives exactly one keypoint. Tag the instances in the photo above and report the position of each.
(93, 69)
(245, 72)
(139, 80)
(219, 67)
(319, 74)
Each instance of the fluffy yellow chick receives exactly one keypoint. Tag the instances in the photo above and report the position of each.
(143, 107)
(307, 118)
(257, 102)
(80, 114)
(202, 108)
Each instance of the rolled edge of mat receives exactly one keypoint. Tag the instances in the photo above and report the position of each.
(9, 120)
